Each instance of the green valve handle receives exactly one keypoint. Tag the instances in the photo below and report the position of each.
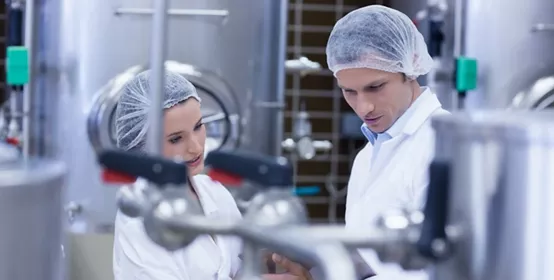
(17, 66)
(466, 74)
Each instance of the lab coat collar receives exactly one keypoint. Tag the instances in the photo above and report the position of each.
(427, 104)
(206, 198)
(412, 119)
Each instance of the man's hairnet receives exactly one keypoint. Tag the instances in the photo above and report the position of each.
(380, 38)
(131, 116)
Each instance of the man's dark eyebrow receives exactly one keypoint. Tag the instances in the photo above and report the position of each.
(345, 88)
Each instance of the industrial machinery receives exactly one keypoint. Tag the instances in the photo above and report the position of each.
(487, 214)
(501, 55)
(31, 189)
(234, 55)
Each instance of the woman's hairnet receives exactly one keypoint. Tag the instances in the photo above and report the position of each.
(380, 38)
(131, 116)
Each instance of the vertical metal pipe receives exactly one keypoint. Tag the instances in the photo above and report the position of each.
(281, 75)
(31, 43)
(458, 41)
(157, 68)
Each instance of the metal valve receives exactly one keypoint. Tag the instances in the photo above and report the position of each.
(302, 142)
(302, 65)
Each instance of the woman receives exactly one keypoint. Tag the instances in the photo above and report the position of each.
(136, 257)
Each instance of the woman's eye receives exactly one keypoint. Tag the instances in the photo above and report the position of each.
(175, 140)
(197, 127)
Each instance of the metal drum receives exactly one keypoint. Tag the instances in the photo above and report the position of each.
(31, 196)
(500, 185)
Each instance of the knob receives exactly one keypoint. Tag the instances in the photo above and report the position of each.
(175, 206)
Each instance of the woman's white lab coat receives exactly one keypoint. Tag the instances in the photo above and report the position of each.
(136, 257)
(395, 178)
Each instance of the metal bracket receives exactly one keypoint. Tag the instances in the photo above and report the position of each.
(302, 65)
(173, 12)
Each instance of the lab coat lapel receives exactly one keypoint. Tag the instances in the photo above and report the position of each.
(210, 249)
(386, 152)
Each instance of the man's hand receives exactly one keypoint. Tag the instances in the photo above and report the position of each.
(280, 277)
(295, 271)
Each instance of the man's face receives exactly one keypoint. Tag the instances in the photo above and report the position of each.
(379, 98)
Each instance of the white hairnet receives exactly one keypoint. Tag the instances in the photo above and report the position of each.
(131, 116)
(380, 38)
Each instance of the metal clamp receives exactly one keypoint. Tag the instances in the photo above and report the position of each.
(542, 27)
(73, 209)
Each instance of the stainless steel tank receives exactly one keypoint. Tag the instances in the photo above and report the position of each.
(31, 197)
(233, 52)
(501, 194)
(510, 41)
(512, 45)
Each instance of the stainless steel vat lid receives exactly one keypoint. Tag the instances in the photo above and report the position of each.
(471, 124)
(32, 172)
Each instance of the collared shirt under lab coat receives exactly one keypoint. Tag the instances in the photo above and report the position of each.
(390, 172)
(136, 257)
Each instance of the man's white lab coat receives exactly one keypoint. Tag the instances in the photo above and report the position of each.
(394, 177)
(136, 257)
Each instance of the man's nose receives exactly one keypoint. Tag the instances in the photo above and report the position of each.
(365, 106)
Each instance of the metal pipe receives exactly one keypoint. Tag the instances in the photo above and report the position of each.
(31, 43)
(322, 249)
(290, 241)
(157, 66)
(174, 12)
(337, 233)
(281, 75)
(321, 233)
(458, 41)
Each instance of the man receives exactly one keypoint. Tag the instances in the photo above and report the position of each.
(376, 54)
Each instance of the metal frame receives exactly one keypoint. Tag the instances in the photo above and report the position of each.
(297, 93)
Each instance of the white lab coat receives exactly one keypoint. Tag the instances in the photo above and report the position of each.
(136, 257)
(395, 178)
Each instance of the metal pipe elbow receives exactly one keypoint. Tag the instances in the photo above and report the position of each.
(332, 258)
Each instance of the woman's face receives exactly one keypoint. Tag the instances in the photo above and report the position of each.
(185, 134)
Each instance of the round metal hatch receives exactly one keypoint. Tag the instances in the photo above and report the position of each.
(220, 108)
(537, 97)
